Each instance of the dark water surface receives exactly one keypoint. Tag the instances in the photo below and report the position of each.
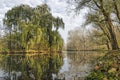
(67, 65)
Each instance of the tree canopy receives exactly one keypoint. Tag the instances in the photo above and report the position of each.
(30, 28)
(104, 14)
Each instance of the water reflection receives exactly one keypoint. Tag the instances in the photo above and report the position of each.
(27, 67)
(68, 66)
(77, 65)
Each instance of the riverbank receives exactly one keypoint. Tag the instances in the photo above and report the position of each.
(106, 67)
(30, 52)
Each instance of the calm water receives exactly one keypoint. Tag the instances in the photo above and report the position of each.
(68, 65)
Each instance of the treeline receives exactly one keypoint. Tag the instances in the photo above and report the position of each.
(28, 28)
(104, 16)
(89, 39)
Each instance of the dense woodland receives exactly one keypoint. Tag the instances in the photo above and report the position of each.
(104, 18)
(27, 28)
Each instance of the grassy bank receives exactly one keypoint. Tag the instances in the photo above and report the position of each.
(107, 67)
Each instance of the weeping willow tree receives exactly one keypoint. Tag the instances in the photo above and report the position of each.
(32, 28)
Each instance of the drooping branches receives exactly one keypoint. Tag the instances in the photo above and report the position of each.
(29, 28)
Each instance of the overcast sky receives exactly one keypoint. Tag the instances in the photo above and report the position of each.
(58, 8)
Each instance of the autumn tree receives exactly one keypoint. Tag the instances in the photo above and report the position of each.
(101, 14)
(77, 39)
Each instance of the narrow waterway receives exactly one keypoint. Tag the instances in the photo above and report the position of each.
(77, 65)
(69, 65)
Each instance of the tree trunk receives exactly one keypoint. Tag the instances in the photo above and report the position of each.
(106, 15)
(108, 46)
(10, 42)
(116, 9)
(113, 39)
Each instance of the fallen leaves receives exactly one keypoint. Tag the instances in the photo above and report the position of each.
(97, 67)
(106, 68)
(112, 70)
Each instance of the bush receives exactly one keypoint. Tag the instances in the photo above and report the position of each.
(106, 68)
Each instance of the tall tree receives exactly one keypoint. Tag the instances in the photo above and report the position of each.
(27, 26)
(48, 22)
(103, 9)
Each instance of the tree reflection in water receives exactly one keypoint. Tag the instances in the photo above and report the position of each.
(27, 67)
(78, 64)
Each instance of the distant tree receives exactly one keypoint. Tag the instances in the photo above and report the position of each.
(100, 39)
(77, 39)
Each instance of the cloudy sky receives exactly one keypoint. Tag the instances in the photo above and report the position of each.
(58, 8)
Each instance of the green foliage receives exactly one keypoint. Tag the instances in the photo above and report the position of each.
(107, 68)
(29, 28)
(4, 50)
(101, 14)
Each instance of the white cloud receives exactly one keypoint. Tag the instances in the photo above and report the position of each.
(58, 8)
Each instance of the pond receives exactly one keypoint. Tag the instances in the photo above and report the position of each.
(69, 65)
